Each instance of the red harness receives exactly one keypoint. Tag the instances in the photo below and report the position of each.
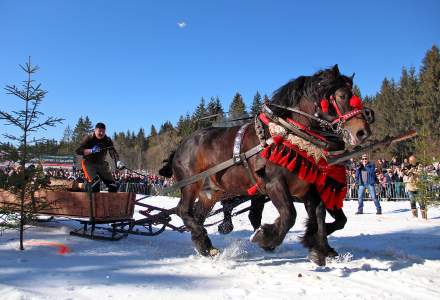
(355, 103)
(330, 181)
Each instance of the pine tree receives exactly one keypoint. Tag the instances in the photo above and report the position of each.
(67, 135)
(426, 179)
(153, 131)
(27, 121)
(409, 95)
(199, 115)
(83, 127)
(266, 98)
(78, 132)
(66, 144)
(389, 112)
(185, 126)
(140, 147)
(167, 126)
(214, 109)
(256, 104)
(429, 112)
(237, 108)
(88, 127)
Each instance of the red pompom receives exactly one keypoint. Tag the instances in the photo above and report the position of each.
(252, 190)
(356, 102)
(324, 105)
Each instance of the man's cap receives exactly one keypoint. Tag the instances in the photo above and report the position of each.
(364, 156)
(100, 125)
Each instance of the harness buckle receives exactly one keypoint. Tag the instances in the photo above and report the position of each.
(236, 151)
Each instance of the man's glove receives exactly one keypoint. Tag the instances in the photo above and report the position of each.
(120, 165)
(96, 149)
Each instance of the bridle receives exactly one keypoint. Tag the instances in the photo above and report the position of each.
(357, 108)
(335, 127)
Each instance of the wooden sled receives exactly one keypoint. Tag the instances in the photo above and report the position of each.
(88, 208)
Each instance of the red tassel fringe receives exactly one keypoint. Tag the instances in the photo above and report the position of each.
(292, 164)
(265, 152)
(302, 170)
(287, 157)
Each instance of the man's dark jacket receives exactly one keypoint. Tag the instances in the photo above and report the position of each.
(371, 179)
(105, 144)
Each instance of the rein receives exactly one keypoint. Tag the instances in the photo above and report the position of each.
(335, 126)
(268, 115)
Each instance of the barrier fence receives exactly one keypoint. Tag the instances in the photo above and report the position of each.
(394, 191)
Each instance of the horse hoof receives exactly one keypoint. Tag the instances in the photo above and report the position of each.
(268, 249)
(225, 227)
(257, 236)
(317, 258)
(213, 252)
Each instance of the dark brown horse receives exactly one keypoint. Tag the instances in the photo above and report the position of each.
(211, 146)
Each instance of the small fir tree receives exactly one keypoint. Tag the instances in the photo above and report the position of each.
(28, 122)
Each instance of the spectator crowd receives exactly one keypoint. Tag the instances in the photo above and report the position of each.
(392, 181)
(141, 181)
(391, 177)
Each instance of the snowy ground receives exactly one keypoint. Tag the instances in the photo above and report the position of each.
(391, 256)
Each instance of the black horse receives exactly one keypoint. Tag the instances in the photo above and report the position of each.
(323, 111)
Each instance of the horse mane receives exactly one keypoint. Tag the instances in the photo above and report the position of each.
(320, 85)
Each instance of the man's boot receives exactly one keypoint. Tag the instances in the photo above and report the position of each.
(379, 211)
(424, 214)
(414, 212)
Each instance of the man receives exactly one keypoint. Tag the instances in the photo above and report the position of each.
(366, 178)
(411, 178)
(94, 149)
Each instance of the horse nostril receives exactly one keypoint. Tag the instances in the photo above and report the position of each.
(361, 134)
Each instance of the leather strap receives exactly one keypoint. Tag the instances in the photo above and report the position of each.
(280, 121)
(213, 170)
(237, 143)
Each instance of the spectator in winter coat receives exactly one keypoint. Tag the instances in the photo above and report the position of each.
(410, 179)
(365, 179)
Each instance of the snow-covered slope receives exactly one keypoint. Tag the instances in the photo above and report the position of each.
(391, 256)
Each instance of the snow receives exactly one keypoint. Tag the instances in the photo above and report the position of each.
(391, 256)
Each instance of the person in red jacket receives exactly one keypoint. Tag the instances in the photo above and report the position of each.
(94, 150)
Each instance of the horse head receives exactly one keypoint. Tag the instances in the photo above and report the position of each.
(328, 105)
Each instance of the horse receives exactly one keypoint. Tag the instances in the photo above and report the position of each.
(306, 120)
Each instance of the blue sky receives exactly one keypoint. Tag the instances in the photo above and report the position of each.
(130, 65)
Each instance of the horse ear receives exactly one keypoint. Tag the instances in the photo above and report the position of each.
(335, 70)
(352, 76)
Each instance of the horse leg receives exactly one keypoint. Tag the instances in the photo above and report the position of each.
(194, 222)
(226, 226)
(337, 224)
(315, 237)
(340, 220)
(256, 211)
(269, 236)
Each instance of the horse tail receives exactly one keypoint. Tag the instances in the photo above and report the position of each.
(167, 170)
